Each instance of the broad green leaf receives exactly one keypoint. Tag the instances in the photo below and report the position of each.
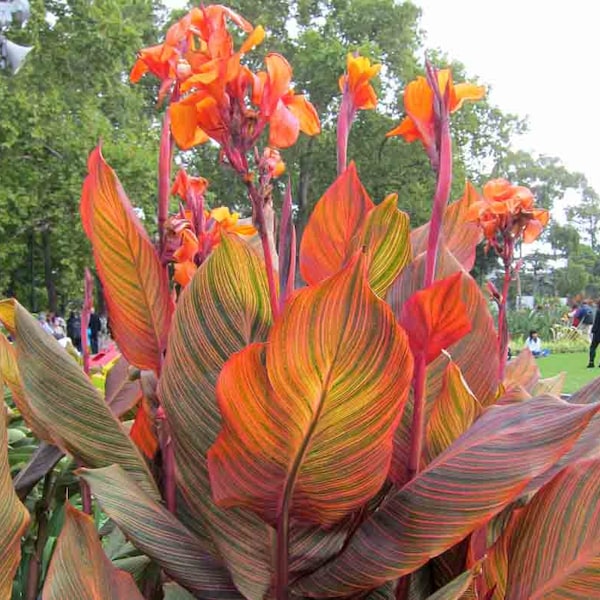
(554, 543)
(458, 235)
(14, 517)
(223, 309)
(522, 371)
(386, 242)
(80, 569)
(134, 282)
(462, 489)
(314, 405)
(453, 412)
(62, 398)
(337, 218)
(158, 533)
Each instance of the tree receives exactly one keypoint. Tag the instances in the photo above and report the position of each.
(564, 239)
(586, 213)
(70, 93)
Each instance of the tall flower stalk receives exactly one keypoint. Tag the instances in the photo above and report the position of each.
(506, 214)
(428, 102)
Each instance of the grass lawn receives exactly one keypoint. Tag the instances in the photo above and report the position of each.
(574, 364)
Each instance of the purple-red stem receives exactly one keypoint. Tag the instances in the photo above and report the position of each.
(502, 323)
(442, 193)
(344, 124)
(261, 225)
(168, 460)
(164, 178)
(418, 420)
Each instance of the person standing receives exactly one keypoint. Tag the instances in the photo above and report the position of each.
(95, 327)
(595, 337)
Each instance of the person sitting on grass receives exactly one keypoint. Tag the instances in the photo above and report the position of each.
(534, 343)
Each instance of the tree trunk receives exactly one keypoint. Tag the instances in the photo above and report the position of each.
(48, 276)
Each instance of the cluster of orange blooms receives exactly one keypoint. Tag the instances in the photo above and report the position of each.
(507, 209)
(195, 231)
(213, 95)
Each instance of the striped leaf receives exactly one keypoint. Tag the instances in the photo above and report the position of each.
(460, 236)
(554, 543)
(309, 416)
(473, 480)
(386, 241)
(157, 533)
(522, 371)
(135, 284)
(452, 413)
(173, 591)
(337, 218)
(223, 309)
(435, 318)
(344, 221)
(467, 353)
(9, 374)
(14, 517)
(550, 385)
(68, 406)
(121, 393)
(457, 587)
(480, 375)
(80, 568)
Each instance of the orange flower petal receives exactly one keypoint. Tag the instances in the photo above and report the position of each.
(189, 247)
(497, 189)
(278, 82)
(466, 91)
(284, 127)
(418, 100)
(532, 231)
(184, 272)
(184, 125)
(406, 129)
(305, 112)
(255, 38)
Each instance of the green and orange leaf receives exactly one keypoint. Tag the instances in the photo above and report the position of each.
(554, 542)
(223, 309)
(345, 220)
(135, 284)
(462, 489)
(80, 568)
(158, 533)
(14, 517)
(386, 242)
(9, 374)
(68, 406)
(338, 217)
(302, 428)
(435, 318)
(452, 413)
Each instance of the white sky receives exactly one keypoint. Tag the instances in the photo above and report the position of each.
(540, 58)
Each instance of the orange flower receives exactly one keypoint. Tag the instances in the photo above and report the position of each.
(359, 73)
(184, 185)
(419, 106)
(287, 113)
(508, 209)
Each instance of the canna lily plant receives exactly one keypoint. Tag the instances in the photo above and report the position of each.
(359, 436)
